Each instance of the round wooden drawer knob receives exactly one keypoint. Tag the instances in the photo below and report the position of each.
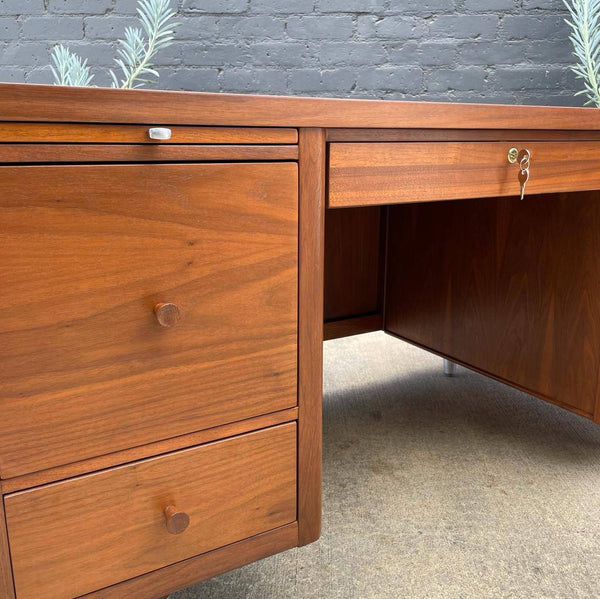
(176, 520)
(167, 315)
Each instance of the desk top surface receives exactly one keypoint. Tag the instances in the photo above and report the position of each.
(25, 102)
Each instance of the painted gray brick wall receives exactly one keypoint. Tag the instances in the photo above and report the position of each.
(510, 51)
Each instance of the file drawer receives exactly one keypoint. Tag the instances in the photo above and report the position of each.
(83, 534)
(142, 302)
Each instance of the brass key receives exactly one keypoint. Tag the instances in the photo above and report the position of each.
(523, 157)
(523, 178)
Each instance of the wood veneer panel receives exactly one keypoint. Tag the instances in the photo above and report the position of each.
(353, 326)
(507, 287)
(353, 262)
(388, 135)
(31, 153)
(6, 581)
(36, 479)
(166, 580)
(89, 251)
(77, 536)
(310, 332)
(362, 174)
(138, 134)
(23, 102)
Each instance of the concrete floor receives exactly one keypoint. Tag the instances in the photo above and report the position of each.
(438, 488)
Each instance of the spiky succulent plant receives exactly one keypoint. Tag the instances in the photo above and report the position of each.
(135, 53)
(69, 69)
(585, 37)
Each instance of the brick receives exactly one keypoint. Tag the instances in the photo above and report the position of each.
(197, 28)
(550, 51)
(352, 53)
(26, 55)
(483, 27)
(108, 27)
(311, 80)
(296, 7)
(125, 7)
(13, 74)
(21, 7)
(254, 80)
(549, 99)
(400, 27)
(492, 53)
(471, 78)
(534, 27)
(326, 27)
(251, 27)
(403, 53)
(188, 79)
(216, 55)
(423, 7)
(9, 28)
(398, 79)
(438, 53)
(216, 6)
(39, 75)
(351, 6)
(529, 78)
(282, 54)
(490, 5)
(96, 7)
(53, 28)
(544, 5)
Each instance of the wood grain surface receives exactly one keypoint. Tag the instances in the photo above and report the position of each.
(354, 253)
(138, 134)
(505, 286)
(33, 153)
(357, 325)
(388, 173)
(6, 580)
(88, 251)
(71, 538)
(155, 584)
(25, 102)
(310, 332)
(510, 135)
(43, 477)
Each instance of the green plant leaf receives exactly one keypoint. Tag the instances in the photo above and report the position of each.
(585, 37)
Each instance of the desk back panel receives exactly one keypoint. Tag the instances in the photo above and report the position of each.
(508, 288)
(354, 253)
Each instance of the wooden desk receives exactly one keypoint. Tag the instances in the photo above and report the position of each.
(163, 304)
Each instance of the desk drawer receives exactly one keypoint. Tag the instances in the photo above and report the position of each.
(140, 134)
(74, 537)
(97, 261)
(363, 174)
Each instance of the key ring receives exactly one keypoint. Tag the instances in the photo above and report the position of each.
(524, 160)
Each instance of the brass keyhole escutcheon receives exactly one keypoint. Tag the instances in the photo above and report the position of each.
(513, 154)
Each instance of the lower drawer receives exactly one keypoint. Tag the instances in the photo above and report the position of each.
(77, 536)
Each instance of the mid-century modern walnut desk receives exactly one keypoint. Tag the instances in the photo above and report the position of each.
(168, 261)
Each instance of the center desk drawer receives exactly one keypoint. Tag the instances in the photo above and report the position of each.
(142, 302)
(365, 174)
(77, 536)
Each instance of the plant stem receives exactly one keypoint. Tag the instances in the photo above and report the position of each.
(148, 55)
(589, 63)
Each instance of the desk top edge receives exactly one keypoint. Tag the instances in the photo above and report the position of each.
(28, 102)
